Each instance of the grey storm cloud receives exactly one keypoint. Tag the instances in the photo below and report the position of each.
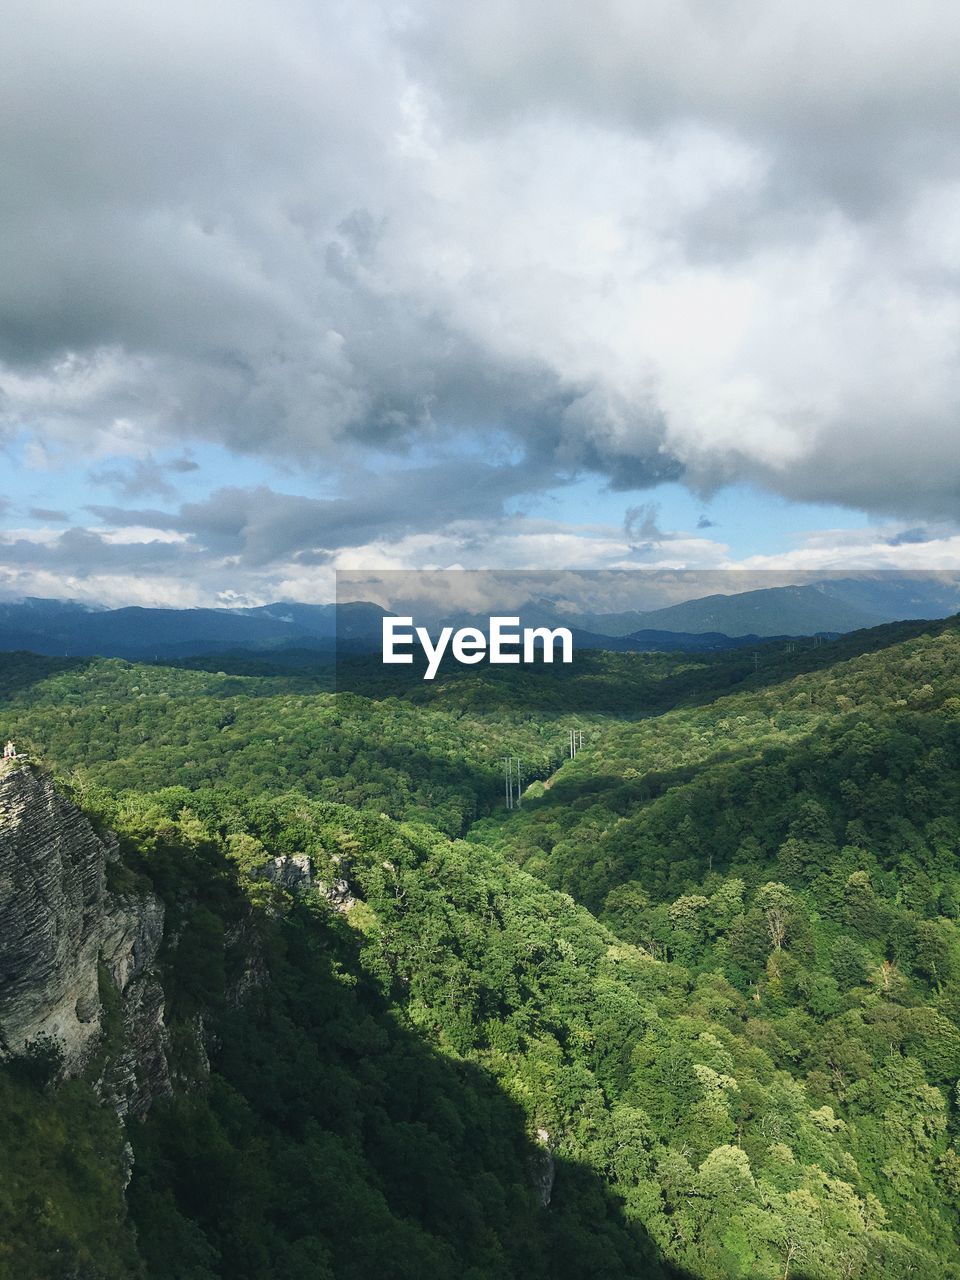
(259, 527)
(143, 477)
(917, 536)
(846, 109)
(670, 241)
(641, 525)
(84, 551)
(135, 517)
(52, 514)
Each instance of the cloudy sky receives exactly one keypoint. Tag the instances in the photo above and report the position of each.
(293, 286)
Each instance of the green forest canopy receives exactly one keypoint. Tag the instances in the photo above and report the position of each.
(715, 959)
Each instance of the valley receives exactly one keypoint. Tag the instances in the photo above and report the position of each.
(693, 1009)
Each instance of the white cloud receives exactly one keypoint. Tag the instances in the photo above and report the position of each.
(211, 564)
(716, 243)
(879, 548)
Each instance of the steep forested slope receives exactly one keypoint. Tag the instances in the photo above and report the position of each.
(398, 746)
(372, 1104)
(801, 839)
(747, 1066)
(392, 744)
(871, 740)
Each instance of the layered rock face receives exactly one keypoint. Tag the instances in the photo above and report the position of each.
(58, 925)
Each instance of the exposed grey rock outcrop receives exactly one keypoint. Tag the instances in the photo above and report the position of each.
(292, 872)
(543, 1169)
(339, 894)
(254, 974)
(295, 872)
(139, 1074)
(58, 924)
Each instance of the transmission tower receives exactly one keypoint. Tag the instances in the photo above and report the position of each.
(512, 781)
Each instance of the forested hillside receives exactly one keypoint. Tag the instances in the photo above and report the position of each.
(391, 744)
(694, 1009)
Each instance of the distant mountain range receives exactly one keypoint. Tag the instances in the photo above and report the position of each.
(713, 622)
(831, 605)
(74, 630)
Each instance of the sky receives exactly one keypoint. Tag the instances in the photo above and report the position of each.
(291, 287)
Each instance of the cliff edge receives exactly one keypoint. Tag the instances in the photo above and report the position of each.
(63, 933)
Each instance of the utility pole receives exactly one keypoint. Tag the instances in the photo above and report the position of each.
(512, 782)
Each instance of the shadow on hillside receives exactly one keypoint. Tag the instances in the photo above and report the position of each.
(620, 685)
(626, 685)
(331, 1140)
(314, 669)
(623, 795)
(21, 670)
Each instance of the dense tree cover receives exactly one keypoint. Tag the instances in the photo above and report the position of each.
(670, 1101)
(747, 1065)
(402, 747)
(62, 1173)
(121, 725)
(802, 840)
(346, 1128)
(392, 744)
(872, 741)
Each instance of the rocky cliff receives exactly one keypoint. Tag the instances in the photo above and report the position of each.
(63, 933)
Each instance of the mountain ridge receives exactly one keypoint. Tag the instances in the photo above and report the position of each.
(827, 607)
